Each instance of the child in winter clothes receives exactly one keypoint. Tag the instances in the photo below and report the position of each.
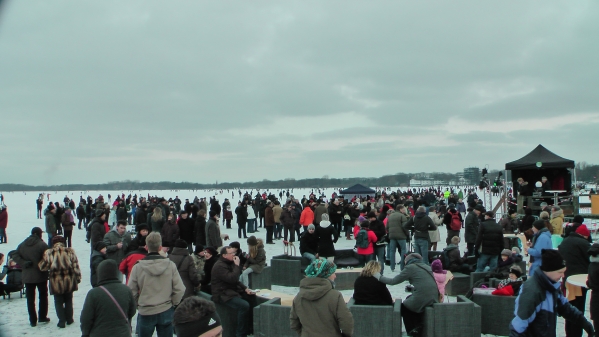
(256, 260)
(516, 255)
(441, 277)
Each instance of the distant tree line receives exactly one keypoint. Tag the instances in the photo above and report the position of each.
(585, 172)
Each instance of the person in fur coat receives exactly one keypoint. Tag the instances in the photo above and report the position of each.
(65, 275)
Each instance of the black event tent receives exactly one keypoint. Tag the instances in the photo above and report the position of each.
(358, 190)
(552, 166)
(541, 155)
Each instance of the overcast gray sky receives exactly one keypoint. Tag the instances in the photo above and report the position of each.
(98, 91)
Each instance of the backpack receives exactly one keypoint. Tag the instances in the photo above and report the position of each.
(445, 259)
(362, 239)
(456, 223)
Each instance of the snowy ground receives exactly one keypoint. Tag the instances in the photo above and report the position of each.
(22, 217)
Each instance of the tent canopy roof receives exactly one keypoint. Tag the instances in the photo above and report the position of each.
(540, 154)
(358, 190)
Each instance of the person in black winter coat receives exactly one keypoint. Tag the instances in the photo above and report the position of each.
(81, 215)
(378, 227)
(242, 219)
(489, 243)
(527, 220)
(327, 237)
(368, 290)
(140, 239)
(186, 229)
(200, 228)
(574, 249)
(593, 283)
(309, 243)
(211, 257)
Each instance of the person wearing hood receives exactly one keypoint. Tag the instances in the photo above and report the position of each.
(186, 229)
(256, 260)
(117, 240)
(185, 266)
(28, 255)
(197, 317)
(157, 287)
(309, 244)
(541, 300)
(96, 229)
(100, 315)
(170, 231)
(98, 255)
(574, 249)
(420, 224)
(65, 276)
(557, 220)
(424, 294)
(540, 240)
(50, 219)
(489, 243)
(228, 290)
(139, 241)
(318, 309)
(327, 237)
(442, 277)
(68, 222)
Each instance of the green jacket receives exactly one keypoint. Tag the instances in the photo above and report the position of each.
(100, 316)
(50, 224)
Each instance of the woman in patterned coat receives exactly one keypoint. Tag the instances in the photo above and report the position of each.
(65, 275)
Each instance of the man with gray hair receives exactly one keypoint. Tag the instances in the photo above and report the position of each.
(420, 224)
(157, 288)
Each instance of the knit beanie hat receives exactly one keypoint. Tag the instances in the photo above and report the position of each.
(516, 250)
(437, 267)
(583, 230)
(252, 241)
(321, 267)
(539, 224)
(99, 246)
(311, 226)
(57, 239)
(551, 260)
(198, 249)
(99, 213)
(180, 243)
(578, 219)
(506, 252)
(141, 227)
(516, 271)
(413, 256)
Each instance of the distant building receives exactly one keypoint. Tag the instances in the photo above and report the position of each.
(472, 175)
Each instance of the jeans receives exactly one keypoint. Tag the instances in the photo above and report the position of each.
(243, 311)
(278, 229)
(364, 259)
(394, 245)
(64, 307)
(42, 289)
(241, 228)
(379, 251)
(245, 277)
(483, 259)
(162, 322)
(251, 225)
(421, 247)
(309, 256)
(49, 239)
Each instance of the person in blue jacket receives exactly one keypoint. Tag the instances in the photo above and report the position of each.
(540, 301)
(540, 240)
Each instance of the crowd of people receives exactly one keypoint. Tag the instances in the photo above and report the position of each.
(177, 249)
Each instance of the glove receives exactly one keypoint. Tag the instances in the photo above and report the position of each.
(588, 327)
(28, 264)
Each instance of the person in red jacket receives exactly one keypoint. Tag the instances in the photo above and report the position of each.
(130, 260)
(307, 217)
(365, 254)
(3, 223)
